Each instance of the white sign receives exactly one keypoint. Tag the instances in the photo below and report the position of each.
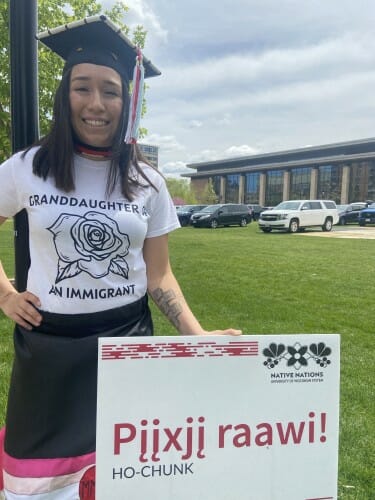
(218, 418)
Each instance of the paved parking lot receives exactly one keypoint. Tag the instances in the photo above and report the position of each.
(367, 233)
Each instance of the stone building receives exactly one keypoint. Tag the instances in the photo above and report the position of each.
(343, 172)
(151, 153)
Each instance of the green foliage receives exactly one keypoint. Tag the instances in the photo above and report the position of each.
(208, 195)
(5, 131)
(180, 189)
(50, 12)
(6, 248)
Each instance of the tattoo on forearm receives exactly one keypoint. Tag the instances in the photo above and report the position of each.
(168, 304)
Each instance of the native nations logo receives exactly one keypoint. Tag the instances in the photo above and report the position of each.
(297, 355)
(92, 244)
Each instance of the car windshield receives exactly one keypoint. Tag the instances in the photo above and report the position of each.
(342, 208)
(209, 209)
(185, 208)
(288, 205)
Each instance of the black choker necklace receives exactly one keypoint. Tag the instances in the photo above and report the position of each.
(105, 152)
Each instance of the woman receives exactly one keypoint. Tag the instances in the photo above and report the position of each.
(99, 220)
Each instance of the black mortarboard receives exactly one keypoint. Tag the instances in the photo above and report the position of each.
(95, 40)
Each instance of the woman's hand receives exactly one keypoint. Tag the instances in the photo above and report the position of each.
(228, 331)
(21, 308)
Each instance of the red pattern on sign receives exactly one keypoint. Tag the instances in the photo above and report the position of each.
(178, 350)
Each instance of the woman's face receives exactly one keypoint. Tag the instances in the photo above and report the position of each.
(95, 97)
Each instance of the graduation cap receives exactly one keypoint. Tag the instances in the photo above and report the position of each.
(97, 40)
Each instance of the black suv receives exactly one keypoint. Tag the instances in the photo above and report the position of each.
(256, 210)
(226, 214)
(349, 213)
(185, 212)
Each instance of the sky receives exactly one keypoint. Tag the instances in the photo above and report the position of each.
(243, 77)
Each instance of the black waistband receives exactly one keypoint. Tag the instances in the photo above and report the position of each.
(84, 324)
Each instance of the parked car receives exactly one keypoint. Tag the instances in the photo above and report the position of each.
(341, 208)
(185, 212)
(296, 215)
(349, 214)
(226, 214)
(256, 210)
(362, 204)
(367, 215)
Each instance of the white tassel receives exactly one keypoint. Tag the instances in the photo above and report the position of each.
(136, 101)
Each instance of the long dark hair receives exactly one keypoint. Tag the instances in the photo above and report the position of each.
(54, 158)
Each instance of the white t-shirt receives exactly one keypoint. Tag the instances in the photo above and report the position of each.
(85, 249)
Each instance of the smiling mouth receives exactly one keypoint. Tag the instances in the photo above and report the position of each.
(95, 123)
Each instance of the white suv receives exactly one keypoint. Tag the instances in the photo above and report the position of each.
(295, 215)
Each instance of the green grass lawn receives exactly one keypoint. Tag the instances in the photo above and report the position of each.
(270, 284)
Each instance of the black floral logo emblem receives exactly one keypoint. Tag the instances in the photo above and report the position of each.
(92, 244)
(297, 355)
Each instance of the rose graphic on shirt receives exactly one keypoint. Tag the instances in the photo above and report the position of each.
(92, 244)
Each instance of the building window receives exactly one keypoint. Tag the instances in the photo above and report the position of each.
(329, 182)
(300, 183)
(232, 188)
(362, 181)
(274, 187)
(151, 153)
(358, 182)
(252, 187)
(216, 185)
(371, 181)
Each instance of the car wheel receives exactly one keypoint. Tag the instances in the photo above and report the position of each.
(266, 229)
(327, 226)
(243, 222)
(214, 224)
(294, 226)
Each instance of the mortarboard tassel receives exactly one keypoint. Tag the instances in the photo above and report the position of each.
(136, 101)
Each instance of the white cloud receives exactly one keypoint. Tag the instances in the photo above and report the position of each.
(166, 143)
(251, 72)
(243, 150)
(204, 155)
(174, 169)
(195, 124)
(141, 13)
(224, 120)
(255, 78)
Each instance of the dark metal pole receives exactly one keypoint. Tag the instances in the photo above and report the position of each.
(23, 22)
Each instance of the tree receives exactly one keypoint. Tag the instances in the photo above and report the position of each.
(180, 191)
(50, 13)
(208, 195)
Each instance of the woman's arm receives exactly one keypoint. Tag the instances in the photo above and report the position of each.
(166, 292)
(20, 307)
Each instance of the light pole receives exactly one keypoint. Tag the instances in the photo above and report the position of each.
(23, 15)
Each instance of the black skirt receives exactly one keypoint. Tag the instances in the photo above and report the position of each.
(52, 400)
